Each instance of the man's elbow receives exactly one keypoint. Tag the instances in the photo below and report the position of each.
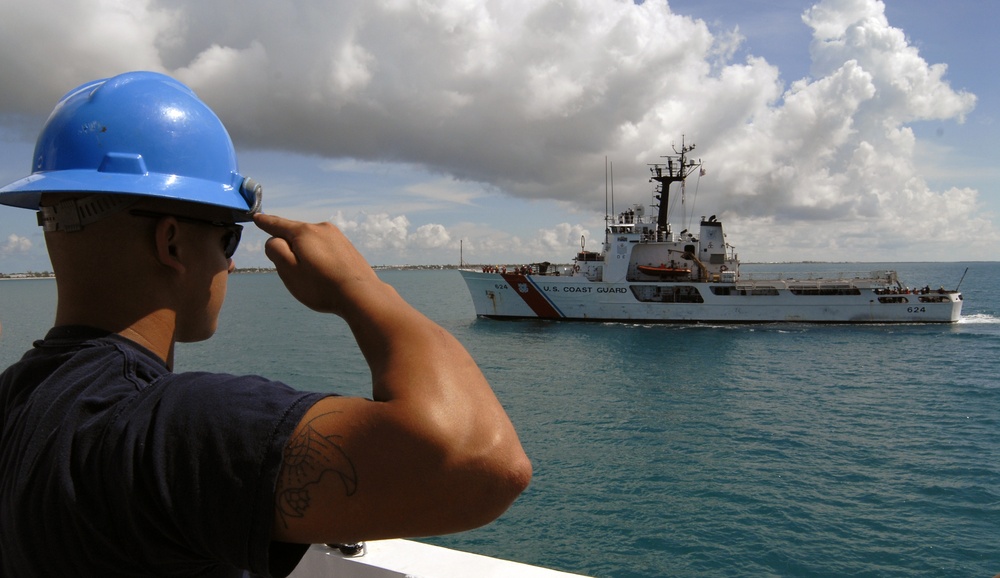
(509, 480)
(517, 476)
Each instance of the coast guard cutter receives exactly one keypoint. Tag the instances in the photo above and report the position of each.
(647, 273)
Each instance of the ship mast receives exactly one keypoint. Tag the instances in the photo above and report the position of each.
(675, 170)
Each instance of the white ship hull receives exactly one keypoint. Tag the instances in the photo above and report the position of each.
(509, 295)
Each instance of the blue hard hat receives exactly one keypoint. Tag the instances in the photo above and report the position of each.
(139, 133)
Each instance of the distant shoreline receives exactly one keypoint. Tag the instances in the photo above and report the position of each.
(247, 270)
(25, 276)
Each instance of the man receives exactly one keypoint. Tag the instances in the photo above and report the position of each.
(113, 465)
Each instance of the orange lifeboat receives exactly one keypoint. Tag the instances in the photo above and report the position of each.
(664, 271)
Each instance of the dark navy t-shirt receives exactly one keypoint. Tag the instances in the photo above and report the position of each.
(112, 465)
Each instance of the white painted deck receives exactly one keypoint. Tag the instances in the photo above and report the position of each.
(408, 559)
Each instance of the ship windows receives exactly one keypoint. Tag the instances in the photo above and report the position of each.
(667, 294)
(934, 299)
(742, 291)
(893, 299)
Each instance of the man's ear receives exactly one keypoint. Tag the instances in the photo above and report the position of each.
(167, 238)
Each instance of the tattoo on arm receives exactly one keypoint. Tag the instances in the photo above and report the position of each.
(309, 457)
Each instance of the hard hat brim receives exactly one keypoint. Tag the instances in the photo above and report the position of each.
(27, 192)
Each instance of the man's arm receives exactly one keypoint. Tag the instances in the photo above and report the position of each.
(433, 451)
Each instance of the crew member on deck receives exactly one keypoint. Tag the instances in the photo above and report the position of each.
(111, 464)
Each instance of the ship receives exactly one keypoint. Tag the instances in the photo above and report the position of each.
(646, 273)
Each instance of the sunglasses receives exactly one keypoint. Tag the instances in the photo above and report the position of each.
(229, 242)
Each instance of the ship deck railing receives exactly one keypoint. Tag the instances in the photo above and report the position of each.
(549, 269)
(850, 278)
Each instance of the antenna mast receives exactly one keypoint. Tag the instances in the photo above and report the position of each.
(675, 170)
(607, 216)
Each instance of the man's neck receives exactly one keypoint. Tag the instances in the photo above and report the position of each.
(155, 342)
(154, 331)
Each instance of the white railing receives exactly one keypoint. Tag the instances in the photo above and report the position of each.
(846, 276)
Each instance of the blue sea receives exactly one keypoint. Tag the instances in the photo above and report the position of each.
(690, 450)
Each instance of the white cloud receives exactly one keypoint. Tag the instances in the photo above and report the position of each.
(73, 42)
(15, 244)
(380, 235)
(445, 191)
(563, 237)
(377, 232)
(384, 238)
(528, 97)
(432, 236)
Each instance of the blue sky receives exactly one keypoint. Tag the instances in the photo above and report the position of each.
(852, 130)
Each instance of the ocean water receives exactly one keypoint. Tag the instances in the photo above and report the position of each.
(690, 450)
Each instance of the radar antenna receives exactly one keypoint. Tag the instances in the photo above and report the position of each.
(674, 170)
